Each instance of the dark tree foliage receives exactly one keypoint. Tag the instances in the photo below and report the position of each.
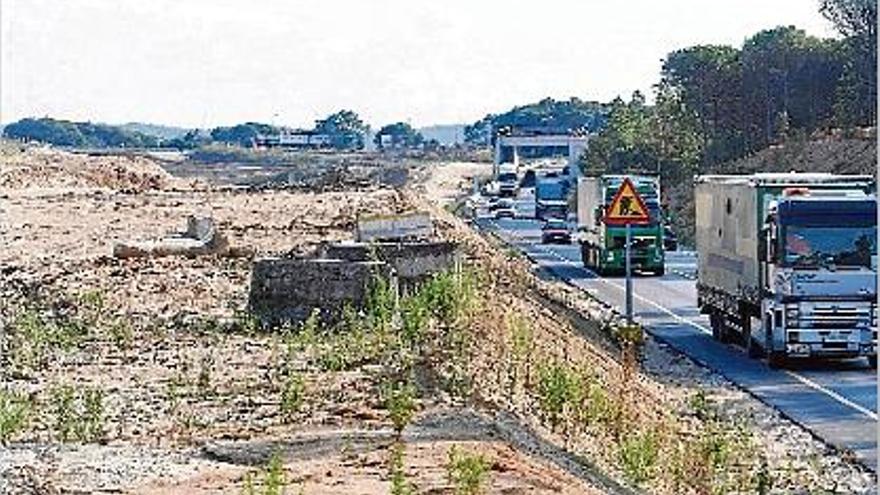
(398, 135)
(242, 134)
(77, 134)
(856, 100)
(345, 128)
(191, 140)
(564, 116)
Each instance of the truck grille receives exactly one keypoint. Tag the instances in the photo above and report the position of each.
(836, 317)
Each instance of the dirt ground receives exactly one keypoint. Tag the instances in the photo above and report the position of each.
(61, 216)
(192, 397)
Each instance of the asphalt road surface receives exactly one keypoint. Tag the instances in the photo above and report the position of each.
(835, 400)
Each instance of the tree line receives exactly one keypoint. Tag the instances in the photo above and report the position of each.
(345, 129)
(716, 103)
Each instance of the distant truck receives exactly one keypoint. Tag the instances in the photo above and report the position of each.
(787, 263)
(551, 197)
(508, 181)
(603, 247)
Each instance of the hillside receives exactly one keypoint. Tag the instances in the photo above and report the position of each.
(157, 130)
(831, 154)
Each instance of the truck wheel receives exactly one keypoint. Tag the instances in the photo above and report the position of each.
(776, 359)
(872, 361)
(660, 271)
(716, 321)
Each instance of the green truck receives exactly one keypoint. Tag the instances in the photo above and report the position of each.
(603, 246)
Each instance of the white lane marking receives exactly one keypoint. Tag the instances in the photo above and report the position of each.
(804, 380)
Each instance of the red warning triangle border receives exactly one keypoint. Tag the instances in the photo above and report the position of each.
(640, 220)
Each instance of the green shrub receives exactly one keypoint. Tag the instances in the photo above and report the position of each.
(415, 315)
(467, 471)
(79, 414)
(560, 391)
(451, 295)
(15, 410)
(638, 455)
(381, 303)
(399, 483)
(292, 395)
(275, 481)
(399, 399)
(34, 336)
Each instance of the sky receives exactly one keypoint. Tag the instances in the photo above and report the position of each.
(203, 63)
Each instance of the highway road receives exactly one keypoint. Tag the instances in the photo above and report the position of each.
(835, 400)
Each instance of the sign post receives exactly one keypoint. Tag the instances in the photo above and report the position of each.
(628, 209)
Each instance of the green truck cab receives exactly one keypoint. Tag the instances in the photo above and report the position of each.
(603, 246)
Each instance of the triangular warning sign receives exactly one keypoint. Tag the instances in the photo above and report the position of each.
(627, 207)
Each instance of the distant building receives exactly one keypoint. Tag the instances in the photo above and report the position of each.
(295, 138)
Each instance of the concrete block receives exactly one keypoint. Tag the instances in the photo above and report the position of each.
(412, 261)
(285, 289)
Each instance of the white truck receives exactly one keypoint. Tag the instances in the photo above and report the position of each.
(787, 263)
(508, 180)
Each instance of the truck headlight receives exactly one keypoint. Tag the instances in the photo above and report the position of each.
(791, 313)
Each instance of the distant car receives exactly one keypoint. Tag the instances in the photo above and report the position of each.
(670, 240)
(555, 230)
(504, 208)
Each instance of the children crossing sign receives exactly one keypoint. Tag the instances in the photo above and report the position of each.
(627, 207)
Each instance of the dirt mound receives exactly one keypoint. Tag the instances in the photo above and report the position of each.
(28, 167)
(840, 156)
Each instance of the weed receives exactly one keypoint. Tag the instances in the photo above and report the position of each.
(702, 406)
(293, 395)
(31, 338)
(246, 322)
(121, 333)
(381, 303)
(15, 410)
(274, 482)
(78, 416)
(399, 398)
(451, 295)
(638, 456)
(93, 300)
(467, 471)
(415, 315)
(560, 391)
(203, 381)
(91, 424)
(248, 485)
(522, 341)
(763, 478)
(399, 484)
(63, 405)
(599, 408)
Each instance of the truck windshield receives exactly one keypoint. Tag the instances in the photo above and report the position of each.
(815, 247)
(507, 177)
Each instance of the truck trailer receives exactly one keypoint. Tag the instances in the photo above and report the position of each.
(551, 197)
(603, 247)
(787, 263)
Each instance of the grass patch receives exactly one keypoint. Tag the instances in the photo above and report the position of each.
(467, 471)
(15, 411)
(79, 413)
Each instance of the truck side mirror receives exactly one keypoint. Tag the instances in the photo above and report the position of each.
(598, 216)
